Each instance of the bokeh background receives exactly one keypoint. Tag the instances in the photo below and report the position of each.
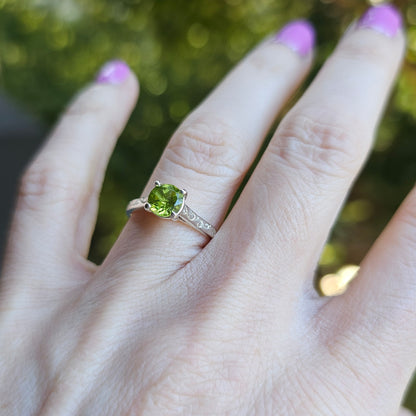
(180, 49)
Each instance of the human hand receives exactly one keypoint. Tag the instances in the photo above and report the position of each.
(171, 324)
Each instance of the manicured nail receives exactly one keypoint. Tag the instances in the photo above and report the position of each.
(113, 72)
(298, 35)
(385, 19)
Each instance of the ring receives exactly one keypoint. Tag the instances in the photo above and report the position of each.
(168, 202)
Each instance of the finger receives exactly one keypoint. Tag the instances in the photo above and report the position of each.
(405, 412)
(213, 148)
(378, 311)
(297, 189)
(58, 196)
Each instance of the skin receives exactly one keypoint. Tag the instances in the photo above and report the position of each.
(174, 324)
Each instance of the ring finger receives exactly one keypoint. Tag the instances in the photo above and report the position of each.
(213, 148)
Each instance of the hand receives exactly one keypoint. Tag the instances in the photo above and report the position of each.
(174, 324)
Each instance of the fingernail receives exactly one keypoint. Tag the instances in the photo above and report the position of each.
(385, 19)
(298, 35)
(113, 72)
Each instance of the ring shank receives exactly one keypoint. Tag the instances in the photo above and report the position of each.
(134, 205)
(190, 217)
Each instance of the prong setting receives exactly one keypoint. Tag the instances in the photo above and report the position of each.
(168, 202)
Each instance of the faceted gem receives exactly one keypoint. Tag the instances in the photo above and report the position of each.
(165, 200)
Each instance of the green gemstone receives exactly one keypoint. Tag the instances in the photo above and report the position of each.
(165, 200)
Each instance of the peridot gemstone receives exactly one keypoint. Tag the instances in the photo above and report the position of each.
(165, 199)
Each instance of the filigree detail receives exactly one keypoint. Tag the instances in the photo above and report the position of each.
(191, 217)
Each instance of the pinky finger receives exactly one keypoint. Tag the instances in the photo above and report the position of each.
(374, 322)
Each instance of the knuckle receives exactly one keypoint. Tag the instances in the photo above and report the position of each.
(92, 104)
(89, 101)
(397, 323)
(366, 50)
(206, 146)
(320, 145)
(382, 333)
(44, 181)
(201, 371)
(370, 342)
(344, 357)
(266, 62)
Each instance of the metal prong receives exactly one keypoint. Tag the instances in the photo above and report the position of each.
(157, 183)
(147, 206)
(184, 193)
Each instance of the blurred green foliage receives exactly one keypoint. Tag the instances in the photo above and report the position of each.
(180, 49)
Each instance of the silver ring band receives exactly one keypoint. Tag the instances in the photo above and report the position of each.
(184, 213)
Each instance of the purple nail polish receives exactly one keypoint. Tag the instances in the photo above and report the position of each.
(113, 72)
(385, 19)
(298, 35)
